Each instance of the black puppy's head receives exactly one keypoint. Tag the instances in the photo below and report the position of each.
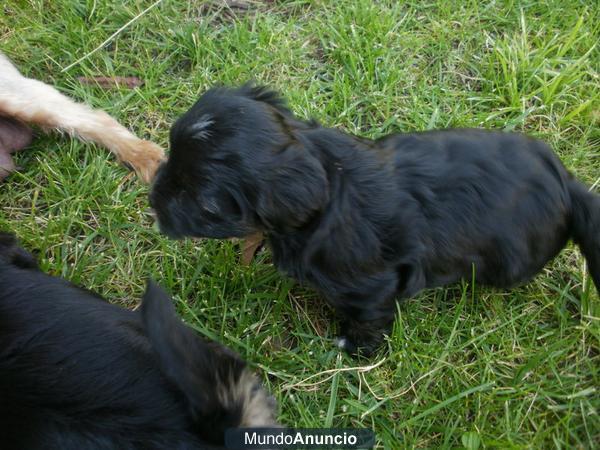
(238, 165)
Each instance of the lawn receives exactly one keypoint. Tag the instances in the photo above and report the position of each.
(465, 366)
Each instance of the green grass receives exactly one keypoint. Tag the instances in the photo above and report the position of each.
(467, 366)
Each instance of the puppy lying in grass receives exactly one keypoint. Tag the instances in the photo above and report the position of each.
(79, 373)
(367, 221)
(32, 102)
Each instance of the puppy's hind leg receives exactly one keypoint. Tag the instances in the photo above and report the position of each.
(34, 102)
(586, 226)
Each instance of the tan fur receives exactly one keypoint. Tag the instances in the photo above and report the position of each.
(36, 103)
(258, 407)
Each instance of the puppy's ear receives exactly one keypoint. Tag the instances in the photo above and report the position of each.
(265, 95)
(220, 391)
(11, 252)
(184, 358)
(295, 187)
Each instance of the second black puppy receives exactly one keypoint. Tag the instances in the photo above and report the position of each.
(365, 221)
(79, 373)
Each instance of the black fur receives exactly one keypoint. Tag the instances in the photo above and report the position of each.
(365, 221)
(79, 373)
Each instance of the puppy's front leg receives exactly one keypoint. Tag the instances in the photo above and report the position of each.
(364, 337)
(34, 102)
(366, 307)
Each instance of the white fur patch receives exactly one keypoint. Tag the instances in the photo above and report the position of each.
(341, 342)
(201, 129)
(258, 407)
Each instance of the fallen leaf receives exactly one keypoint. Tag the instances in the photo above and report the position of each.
(111, 82)
(250, 245)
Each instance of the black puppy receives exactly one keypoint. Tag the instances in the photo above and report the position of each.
(364, 221)
(79, 373)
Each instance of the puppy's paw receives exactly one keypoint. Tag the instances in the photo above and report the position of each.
(363, 338)
(354, 348)
(349, 346)
(144, 157)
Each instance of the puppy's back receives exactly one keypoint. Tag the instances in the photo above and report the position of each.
(500, 201)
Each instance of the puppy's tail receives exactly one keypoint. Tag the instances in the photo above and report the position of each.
(221, 391)
(12, 254)
(586, 226)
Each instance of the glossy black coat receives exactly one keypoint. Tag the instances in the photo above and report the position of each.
(368, 221)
